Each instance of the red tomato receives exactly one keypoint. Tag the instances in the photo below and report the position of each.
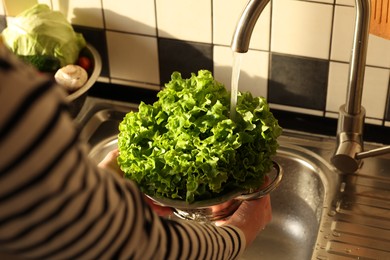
(85, 63)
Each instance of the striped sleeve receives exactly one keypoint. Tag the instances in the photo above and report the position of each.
(56, 204)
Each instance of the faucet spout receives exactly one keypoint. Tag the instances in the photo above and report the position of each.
(358, 57)
(245, 25)
(349, 151)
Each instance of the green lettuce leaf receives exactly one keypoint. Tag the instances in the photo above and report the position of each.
(185, 146)
(39, 31)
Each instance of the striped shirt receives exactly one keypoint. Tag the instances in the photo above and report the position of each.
(56, 204)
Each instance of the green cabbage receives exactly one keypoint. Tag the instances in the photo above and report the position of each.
(42, 32)
(186, 147)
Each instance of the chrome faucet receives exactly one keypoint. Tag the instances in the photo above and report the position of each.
(349, 151)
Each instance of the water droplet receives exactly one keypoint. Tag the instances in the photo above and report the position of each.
(338, 205)
(348, 250)
(331, 213)
(342, 187)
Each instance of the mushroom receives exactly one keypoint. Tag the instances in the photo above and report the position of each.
(71, 77)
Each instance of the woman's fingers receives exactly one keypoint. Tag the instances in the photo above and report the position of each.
(160, 210)
(110, 162)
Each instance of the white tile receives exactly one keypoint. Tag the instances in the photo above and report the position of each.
(142, 85)
(103, 79)
(130, 16)
(331, 115)
(337, 86)
(2, 11)
(320, 1)
(133, 57)
(253, 73)
(376, 82)
(375, 87)
(343, 33)
(15, 7)
(85, 13)
(223, 62)
(373, 121)
(378, 53)
(226, 14)
(301, 28)
(187, 20)
(346, 2)
(296, 109)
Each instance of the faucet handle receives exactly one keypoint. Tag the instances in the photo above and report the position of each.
(349, 145)
(373, 152)
(349, 140)
(349, 152)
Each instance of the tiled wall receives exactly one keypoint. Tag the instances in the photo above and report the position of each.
(298, 57)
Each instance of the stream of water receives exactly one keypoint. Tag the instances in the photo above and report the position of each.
(237, 58)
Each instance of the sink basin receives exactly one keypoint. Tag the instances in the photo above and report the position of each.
(309, 216)
(297, 205)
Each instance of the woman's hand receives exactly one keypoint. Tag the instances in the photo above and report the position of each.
(110, 162)
(251, 216)
(160, 210)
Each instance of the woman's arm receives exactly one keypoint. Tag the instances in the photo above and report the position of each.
(56, 203)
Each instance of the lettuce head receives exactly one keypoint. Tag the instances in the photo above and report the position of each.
(185, 146)
(43, 32)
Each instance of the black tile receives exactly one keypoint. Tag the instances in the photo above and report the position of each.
(97, 38)
(387, 114)
(327, 126)
(298, 81)
(123, 93)
(184, 57)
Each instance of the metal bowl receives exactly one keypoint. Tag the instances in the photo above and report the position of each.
(77, 98)
(220, 207)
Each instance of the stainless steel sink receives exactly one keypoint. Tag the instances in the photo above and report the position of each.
(297, 206)
(318, 213)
